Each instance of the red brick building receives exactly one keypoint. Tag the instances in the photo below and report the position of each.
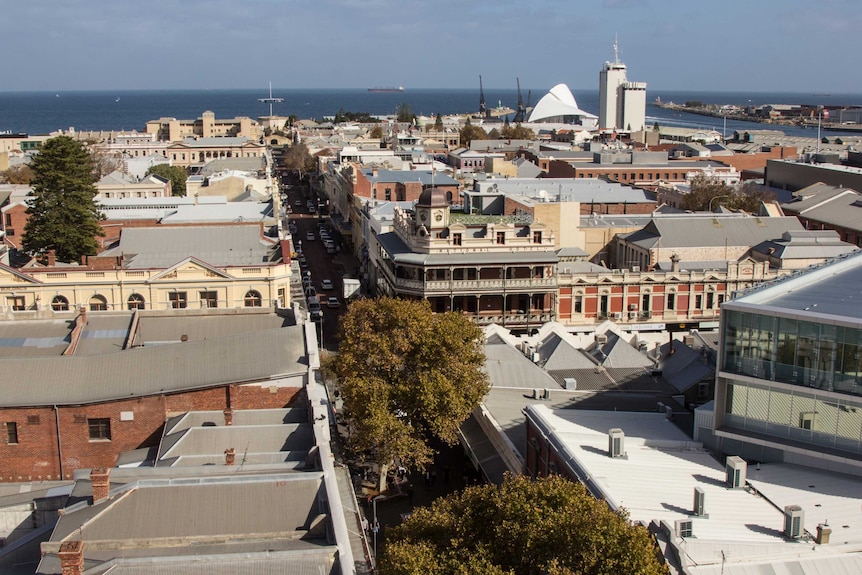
(66, 412)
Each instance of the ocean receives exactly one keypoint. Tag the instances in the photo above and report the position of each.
(46, 112)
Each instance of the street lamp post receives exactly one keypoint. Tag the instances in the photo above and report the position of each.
(716, 198)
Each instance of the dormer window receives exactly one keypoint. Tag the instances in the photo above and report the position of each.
(537, 237)
(456, 239)
(501, 238)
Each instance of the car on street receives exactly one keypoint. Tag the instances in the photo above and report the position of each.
(306, 280)
(332, 301)
(326, 285)
(309, 236)
(298, 203)
(331, 249)
(310, 291)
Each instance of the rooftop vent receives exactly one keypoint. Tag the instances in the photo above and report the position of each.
(616, 442)
(794, 518)
(699, 502)
(735, 468)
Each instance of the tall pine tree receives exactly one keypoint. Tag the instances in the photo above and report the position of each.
(63, 214)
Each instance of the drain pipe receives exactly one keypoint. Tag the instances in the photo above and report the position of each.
(59, 444)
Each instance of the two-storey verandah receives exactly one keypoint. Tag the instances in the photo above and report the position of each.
(509, 288)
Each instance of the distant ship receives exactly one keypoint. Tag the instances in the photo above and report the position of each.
(387, 89)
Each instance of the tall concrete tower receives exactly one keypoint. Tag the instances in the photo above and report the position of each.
(622, 104)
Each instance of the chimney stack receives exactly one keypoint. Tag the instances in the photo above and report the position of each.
(228, 416)
(100, 479)
(52, 258)
(71, 556)
(229, 456)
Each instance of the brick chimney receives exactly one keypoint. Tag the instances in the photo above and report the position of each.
(228, 416)
(71, 556)
(100, 479)
(52, 258)
(229, 456)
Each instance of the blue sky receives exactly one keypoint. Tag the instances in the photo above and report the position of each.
(729, 45)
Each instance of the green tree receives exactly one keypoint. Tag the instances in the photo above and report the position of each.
(407, 376)
(438, 122)
(63, 215)
(298, 159)
(404, 113)
(470, 132)
(517, 132)
(709, 192)
(524, 527)
(176, 174)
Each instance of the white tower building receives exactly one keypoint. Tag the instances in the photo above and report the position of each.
(622, 104)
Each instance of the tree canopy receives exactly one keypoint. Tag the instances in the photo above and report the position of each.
(438, 122)
(709, 192)
(63, 214)
(524, 527)
(470, 132)
(404, 113)
(363, 117)
(298, 159)
(20, 174)
(517, 132)
(406, 376)
(176, 174)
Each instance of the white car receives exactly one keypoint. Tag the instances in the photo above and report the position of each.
(332, 301)
(326, 285)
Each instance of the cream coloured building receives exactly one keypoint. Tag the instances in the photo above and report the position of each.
(157, 268)
(207, 126)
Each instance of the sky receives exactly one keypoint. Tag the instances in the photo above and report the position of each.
(729, 45)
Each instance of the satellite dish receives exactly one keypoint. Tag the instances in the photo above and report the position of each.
(543, 194)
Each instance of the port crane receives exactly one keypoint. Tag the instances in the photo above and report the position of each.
(484, 112)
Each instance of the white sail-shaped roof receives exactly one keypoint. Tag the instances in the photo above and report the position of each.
(557, 103)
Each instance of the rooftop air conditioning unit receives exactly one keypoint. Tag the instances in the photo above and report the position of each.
(616, 442)
(683, 528)
(570, 383)
(633, 306)
(633, 315)
(736, 469)
(536, 357)
(699, 501)
(668, 412)
(618, 315)
(601, 338)
(794, 519)
(636, 269)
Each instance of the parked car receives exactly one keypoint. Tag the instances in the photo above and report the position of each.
(310, 291)
(313, 303)
(332, 301)
(306, 280)
(309, 236)
(331, 249)
(298, 203)
(326, 285)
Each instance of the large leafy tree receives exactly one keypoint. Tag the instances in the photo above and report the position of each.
(298, 159)
(407, 376)
(709, 192)
(63, 214)
(20, 174)
(470, 132)
(524, 527)
(176, 174)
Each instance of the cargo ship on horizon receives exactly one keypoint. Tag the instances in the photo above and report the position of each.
(387, 89)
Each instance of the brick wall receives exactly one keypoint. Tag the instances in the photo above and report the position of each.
(14, 219)
(133, 423)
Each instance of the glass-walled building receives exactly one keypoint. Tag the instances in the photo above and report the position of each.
(790, 376)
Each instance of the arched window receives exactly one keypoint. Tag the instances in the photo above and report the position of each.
(98, 303)
(136, 301)
(252, 299)
(59, 303)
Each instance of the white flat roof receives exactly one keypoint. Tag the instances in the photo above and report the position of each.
(656, 481)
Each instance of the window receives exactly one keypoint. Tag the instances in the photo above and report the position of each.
(537, 237)
(579, 304)
(456, 239)
(645, 302)
(178, 300)
(100, 429)
(671, 301)
(136, 301)
(98, 303)
(11, 432)
(501, 237)
(59, 303)
(15, 303)
(8, 220)
(252, 299)
(10, 232)
(698, 301)
(387, 194)
(209, 299)
(710, 300)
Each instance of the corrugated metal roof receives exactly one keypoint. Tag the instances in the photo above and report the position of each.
(400, 253)
(711, 231)
(162, 247)
(507, 367)
(152, 370)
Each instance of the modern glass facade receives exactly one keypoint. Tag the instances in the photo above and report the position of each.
(793, 351)
(809, 386)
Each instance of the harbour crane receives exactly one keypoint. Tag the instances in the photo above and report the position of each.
(521, 114)
(484, 112)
